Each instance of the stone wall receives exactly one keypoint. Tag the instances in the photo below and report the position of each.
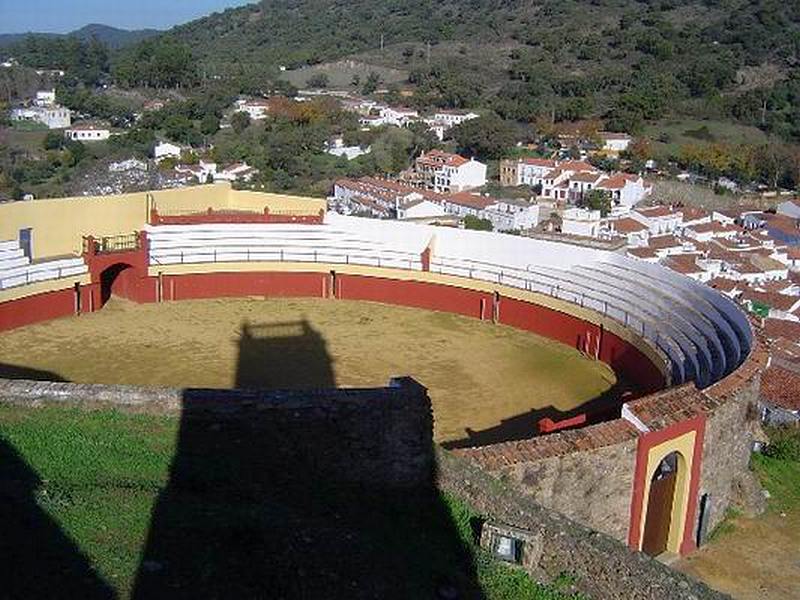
(554, 545)
(381, 437)
(727, 445)
(589, 487)
(585, 474)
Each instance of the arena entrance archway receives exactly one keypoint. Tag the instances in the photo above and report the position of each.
(110, 277)
(660, 522)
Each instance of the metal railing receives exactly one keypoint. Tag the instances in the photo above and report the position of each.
(401, 260)
(30, 277)
(112, 244)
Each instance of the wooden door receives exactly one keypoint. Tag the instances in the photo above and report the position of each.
(659, 514)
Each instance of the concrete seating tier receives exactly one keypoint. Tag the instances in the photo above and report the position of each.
(16, 269)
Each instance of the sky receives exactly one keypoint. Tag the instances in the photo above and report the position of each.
(62, 16)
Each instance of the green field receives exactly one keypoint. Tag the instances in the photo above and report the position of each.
(341, 73)
(100, 505)
(668, 135)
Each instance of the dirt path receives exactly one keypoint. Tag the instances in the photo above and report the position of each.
(478, 374)
(758, 560)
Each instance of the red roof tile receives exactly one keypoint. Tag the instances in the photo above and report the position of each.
(781, 387)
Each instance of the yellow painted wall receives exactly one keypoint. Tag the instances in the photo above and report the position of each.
(684, 446)
(59, 224)
(255, 201)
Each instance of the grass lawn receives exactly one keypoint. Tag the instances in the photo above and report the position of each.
(25, 136)
(105, 504)
(780, 472)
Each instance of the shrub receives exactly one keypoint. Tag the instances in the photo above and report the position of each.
(784, 444)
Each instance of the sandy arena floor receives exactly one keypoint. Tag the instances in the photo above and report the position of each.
(477, 374)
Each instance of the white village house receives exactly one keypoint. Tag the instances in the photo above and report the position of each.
(88, 132)
(445, 172)
(164, 150)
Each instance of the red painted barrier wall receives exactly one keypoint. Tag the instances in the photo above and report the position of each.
(33, 309)
(221, 285)
(417, 294)
(621, 356)
(624, 358)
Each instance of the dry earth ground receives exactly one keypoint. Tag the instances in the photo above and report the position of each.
(478, 374)
(758, 560)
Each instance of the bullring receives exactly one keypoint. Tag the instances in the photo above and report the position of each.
(687, 351)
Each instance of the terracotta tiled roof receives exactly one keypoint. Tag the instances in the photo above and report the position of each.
(507, 454)
(642, 252)
(663, 242)
(586, 177)
(662, 409)
(654, 212)
(772, 299)
(683, 263)
(780, 328)
(781, 387)
(714, 227)
(628, 225)
(471, 200)
(691, 213)
(577, 165)
(539, 162)
(615, 182)
(437, 157)
(724, 285)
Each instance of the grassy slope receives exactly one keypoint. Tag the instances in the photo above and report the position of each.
(99, 475)
(677, 132)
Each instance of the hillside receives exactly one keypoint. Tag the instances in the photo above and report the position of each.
(113, 37)
(630, 61)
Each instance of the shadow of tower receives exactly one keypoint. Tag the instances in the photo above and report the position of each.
(38, 559)
(261, 503)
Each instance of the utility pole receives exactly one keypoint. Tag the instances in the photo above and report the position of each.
(381, 42)
(429, 54)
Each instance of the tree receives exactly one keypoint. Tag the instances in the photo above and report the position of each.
(240, 121)
(487, 137)
(371, 84)
(477, 223)
(53, 141)
(319, 80)
(597, 200)
(210, 124)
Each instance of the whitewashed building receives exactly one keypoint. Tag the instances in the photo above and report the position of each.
(88, 132)
(164, 150)
(581, 222)
(444, 172)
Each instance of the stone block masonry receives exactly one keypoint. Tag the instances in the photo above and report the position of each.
(379, 437)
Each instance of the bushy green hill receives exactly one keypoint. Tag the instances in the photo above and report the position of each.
(630, 61)
(113, 37)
